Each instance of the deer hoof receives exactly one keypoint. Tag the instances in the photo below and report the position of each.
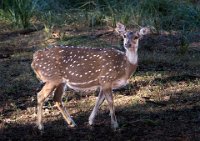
(115, 125)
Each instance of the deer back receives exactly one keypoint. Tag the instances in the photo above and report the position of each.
(77, 65)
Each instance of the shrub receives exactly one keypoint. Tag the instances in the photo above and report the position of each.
(19, 12)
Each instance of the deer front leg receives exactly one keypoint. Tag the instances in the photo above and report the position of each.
(99, 101)
(58, 102)
(109, 99)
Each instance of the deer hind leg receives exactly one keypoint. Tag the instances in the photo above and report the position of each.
(99, 101)
(41, 96)
(58, 102)
(109, 98)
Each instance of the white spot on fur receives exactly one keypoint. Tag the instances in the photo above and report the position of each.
(61, 50)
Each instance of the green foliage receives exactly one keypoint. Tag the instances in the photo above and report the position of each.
(19, 12)
(162, 14)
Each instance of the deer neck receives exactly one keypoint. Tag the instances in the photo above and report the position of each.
(132, 60)
(132, 56)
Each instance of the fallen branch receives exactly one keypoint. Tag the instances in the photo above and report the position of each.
(101, 34)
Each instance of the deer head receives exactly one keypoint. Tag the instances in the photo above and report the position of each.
(130, 38)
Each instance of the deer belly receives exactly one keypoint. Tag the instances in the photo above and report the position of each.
(91, 85)
(119, 83)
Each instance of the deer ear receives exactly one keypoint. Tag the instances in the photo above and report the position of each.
(120, 28)
(144, 31)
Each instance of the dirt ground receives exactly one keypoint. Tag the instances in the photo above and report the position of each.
(161, 102)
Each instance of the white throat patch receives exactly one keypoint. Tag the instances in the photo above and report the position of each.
(132, 57)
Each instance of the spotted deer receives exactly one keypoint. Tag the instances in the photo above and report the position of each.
(85, 69)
